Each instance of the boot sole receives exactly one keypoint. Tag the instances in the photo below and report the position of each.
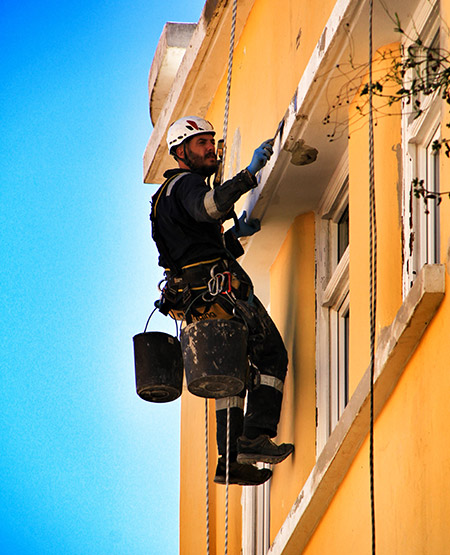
(252, 458)
(222, 482)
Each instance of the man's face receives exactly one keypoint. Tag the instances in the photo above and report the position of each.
(201, 153)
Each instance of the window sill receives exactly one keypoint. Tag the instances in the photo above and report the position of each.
(396, 344)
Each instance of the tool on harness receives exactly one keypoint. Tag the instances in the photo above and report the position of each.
(219, 173)
(158, 365)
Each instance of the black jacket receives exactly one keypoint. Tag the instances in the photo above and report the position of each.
(187, 218)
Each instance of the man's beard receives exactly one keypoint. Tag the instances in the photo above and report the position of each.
(197, 164)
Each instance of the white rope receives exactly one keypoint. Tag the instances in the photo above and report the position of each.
(227, 475)
(230, 68)
(207, 483)
(373, 278)
(225, 134)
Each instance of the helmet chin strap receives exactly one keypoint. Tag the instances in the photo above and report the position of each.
(185, 158)
(190, 164)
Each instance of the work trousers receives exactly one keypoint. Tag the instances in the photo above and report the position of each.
(264, 394)
(266, 353)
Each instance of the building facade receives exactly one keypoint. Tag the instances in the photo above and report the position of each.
(301, 73)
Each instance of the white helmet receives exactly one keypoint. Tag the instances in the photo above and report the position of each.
(187, 127)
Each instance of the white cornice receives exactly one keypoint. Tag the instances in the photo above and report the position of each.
(197, 79)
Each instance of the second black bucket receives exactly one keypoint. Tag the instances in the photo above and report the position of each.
(215, 357)
(159, 366)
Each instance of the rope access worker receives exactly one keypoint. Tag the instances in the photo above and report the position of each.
(187, 216)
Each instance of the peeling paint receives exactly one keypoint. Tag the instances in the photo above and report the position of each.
(209, 9)
(322, 41)
(399, 154)
(297, 40)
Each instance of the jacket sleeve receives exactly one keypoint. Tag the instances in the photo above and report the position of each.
(210, 205)
(224, 197)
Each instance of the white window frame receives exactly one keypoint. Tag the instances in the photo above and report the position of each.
(332, 290)
(421, 222)
(339, 359)
(256, 518)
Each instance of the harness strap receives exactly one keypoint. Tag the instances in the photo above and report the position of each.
(157, 236)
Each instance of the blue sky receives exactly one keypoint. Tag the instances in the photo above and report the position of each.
(86, 466)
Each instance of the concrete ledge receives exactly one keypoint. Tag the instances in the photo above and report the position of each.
(199, 74)
(396, 344)
(171, 48)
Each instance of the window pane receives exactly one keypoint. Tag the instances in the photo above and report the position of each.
(343, 225)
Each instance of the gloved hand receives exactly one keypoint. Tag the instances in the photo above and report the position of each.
(260, 157)
(246, 227)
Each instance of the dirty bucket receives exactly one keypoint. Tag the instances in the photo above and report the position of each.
(158, 365)
(215, 357)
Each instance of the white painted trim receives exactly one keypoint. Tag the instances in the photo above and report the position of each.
(331, 288)
(421, 19)
(396, 344)
(337, 287)
(210, 41)
(414, 134)
(336, 194)
(256, 518)
(322, 337)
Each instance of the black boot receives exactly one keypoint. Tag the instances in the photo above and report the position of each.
(262, 449)
(241, 474)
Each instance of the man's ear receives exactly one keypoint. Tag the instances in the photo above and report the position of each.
(179, 151)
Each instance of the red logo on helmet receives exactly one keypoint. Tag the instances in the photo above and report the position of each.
(194, 125)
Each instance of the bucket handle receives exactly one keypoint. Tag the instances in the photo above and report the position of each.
(151, 314)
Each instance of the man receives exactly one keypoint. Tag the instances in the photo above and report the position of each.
(187, 217)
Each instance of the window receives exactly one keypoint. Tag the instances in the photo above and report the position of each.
(339, 328)
(256, 518)
(427, 211)
(333, 310)
(342, 233)
(421, 219)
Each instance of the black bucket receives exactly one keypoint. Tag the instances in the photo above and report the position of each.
(159, 366)
(215, 357)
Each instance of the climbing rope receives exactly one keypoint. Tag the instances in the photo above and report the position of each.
(373, 278)
(224, 135)
(227, 475)
(230, 68)
(206, 473)
(216, 287)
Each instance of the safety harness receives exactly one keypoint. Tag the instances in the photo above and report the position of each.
(204, 289)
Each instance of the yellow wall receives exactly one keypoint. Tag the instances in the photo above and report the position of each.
(388, 182)
(412, 451)
(412, 466)
(193, 485)
(259, 76)
(295, 35)
(293, 310)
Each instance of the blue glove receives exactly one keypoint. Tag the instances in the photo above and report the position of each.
(246, 227)
(260, 156)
